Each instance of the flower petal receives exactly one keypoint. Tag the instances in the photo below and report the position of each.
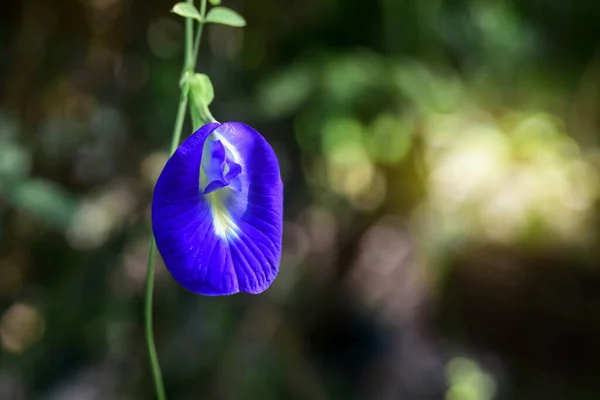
(227, 237)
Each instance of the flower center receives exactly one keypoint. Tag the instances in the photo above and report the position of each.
(218, 168)
(218, 171)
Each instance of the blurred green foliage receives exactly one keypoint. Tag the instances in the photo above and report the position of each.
(440, 160)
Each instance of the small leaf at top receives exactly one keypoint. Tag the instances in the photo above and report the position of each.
(187, 10)
(225, 16)
(215, 2)
(201, 88)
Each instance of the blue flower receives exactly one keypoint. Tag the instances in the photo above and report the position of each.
(217, 211)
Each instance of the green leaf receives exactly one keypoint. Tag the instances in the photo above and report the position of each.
(225, 16)
(187, 10)
(215, 2)
(46, 200)
(201, 88)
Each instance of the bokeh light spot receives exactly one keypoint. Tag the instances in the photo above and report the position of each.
(20, 327)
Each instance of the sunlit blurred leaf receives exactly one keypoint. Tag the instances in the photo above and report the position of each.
(215, 2)
(15, 160)
(284, 93)
(523, 179)
(44, 199)
(348, 78)
(341, 133)
(187, 10)
(467, 381)
(225, 16)
(427, 90)
(501, 34)
(389, 139)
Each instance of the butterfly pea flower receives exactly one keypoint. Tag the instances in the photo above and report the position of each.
(217, 211)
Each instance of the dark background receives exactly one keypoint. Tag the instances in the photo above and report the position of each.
(441, 168)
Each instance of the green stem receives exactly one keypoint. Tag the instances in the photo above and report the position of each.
(203, 8)
(158, 382)
(197, 41)
(199, 32)
(189, 52)
(189, 64)
(183, 101)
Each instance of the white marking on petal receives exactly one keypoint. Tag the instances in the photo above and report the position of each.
(224, 226)
(236, 155)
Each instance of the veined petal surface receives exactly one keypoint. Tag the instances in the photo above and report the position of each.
(217, 211)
